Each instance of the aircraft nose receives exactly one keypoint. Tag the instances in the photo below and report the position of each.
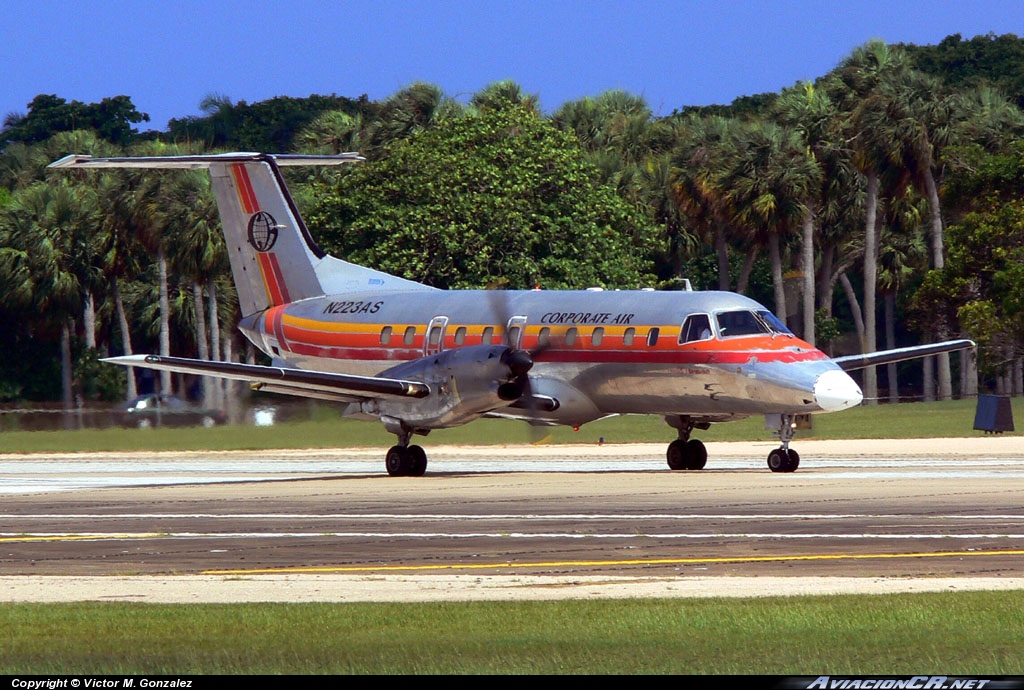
(835, 390)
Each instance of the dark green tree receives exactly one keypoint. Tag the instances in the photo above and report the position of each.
(111, 119)
(499, 197)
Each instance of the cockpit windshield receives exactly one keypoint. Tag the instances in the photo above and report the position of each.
(774, 323)
(743, 322)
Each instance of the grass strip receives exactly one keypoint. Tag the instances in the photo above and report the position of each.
(966, 633)
(327, 429)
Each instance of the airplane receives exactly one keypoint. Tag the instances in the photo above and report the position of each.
(417, 358)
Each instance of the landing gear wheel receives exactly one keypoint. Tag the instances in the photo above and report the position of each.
(783, 460)
(794, 460)
(417, 461)
(687, 455)
(397, 461)
(677, 455)
(696, 454)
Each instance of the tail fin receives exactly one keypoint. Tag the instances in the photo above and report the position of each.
(274, 260)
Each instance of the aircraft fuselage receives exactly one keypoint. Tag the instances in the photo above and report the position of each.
(599, 352)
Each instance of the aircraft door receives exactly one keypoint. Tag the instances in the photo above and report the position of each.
(514, 332)
(434, 341)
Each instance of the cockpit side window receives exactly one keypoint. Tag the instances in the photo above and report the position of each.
(696, 327)
(735, 323)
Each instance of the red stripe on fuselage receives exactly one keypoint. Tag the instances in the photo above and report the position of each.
(584, 356)
(272, 324)
(363, 345)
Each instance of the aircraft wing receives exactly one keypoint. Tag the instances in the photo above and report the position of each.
(313, 384)
(851, 362)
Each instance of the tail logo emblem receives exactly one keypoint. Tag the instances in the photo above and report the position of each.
(262, 231)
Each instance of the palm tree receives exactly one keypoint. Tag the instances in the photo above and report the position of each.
(406, 112)
(902, 253)
(47, 252)
(152, 221)
(332, 132)
(122, 254)
(770, 181)
(703, 145)
(500, 94)
(811, 112)
(199, 255)
(858, 86)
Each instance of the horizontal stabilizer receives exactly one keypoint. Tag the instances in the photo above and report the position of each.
(198, 162)
(851, 362)
(336, 386)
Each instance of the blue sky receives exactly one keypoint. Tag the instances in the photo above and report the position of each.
(167, 56)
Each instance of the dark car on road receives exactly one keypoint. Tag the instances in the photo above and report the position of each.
(166, 410)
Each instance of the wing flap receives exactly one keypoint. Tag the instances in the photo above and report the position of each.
(343, 387)
(852, 362)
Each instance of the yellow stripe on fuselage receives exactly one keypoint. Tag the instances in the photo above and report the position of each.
(471, 329)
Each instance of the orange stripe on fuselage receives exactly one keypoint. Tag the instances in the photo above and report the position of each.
(272, 325)
(361, 341)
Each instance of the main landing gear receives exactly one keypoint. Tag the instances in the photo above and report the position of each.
(784, 459)
(403, 460)
(686, 453)
(406, 461)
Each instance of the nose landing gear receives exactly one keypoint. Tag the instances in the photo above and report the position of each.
(784, 459)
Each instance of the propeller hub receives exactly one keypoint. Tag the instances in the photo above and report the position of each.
(519, 362)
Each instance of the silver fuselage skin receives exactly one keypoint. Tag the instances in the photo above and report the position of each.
(624, 371)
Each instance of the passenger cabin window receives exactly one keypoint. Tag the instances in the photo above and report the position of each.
(385, 335)
(652, 337)
(544, 337)
(460, 335)
(597, 336)
(410, 335)
(627, 337)
(570, 336)
(487, 336)
(696, 327)
(512, 337)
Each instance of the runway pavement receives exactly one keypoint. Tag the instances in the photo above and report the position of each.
(513, 522)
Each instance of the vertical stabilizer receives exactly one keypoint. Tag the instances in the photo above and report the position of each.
(274, 260)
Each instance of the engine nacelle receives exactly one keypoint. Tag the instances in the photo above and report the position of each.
(465, 383)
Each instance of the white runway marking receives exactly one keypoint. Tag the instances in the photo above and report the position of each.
(129, 536)
(409, 517)
(29, 474)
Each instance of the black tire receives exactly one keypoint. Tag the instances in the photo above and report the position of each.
(696, 455)
(778, 460)
(794, 460)
(417, 461)
(677, 455)
(397, 461)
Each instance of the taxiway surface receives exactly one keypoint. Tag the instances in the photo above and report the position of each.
(504, 522)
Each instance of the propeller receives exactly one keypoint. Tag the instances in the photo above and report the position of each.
(519, 362)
